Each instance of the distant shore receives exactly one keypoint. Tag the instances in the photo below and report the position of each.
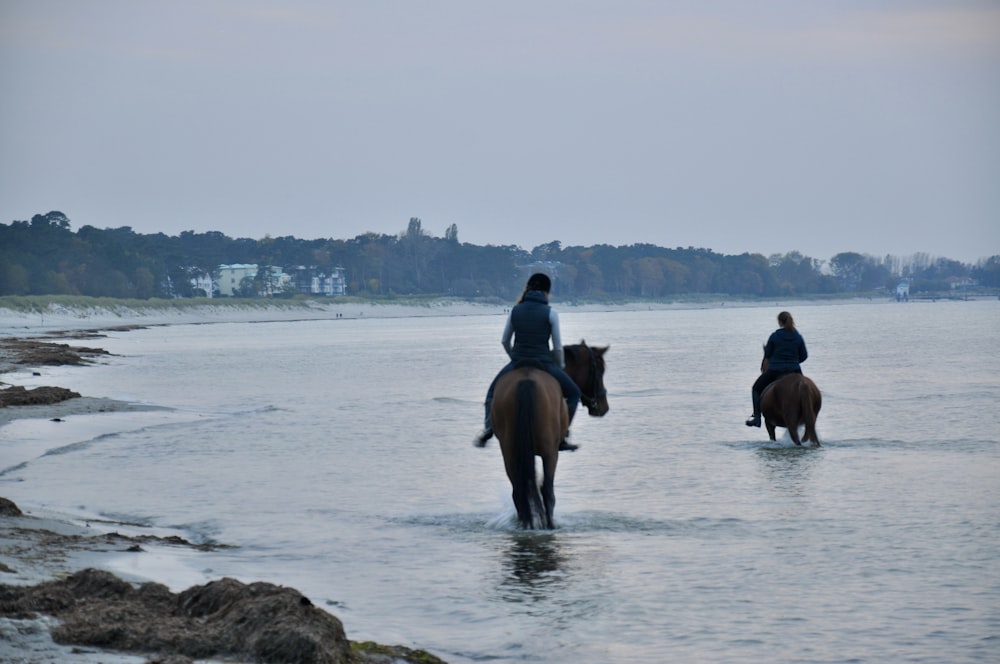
(49, 314)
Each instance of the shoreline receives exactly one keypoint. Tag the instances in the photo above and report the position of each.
(63, 592)
(64, 598)
(63, 319)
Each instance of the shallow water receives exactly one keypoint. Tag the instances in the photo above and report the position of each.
(337, 455)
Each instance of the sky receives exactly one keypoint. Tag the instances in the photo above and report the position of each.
(772, 126)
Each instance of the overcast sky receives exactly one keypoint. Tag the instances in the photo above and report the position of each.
(766, 126)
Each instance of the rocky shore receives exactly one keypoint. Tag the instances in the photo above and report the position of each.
(58, 605)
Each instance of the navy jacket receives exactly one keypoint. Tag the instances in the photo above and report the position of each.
(784, 351)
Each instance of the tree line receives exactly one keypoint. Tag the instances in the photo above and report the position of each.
(44, 256)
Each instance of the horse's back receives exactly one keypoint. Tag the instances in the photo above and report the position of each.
(788, 385)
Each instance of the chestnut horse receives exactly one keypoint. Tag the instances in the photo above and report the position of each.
(790, 401)
(530, 419)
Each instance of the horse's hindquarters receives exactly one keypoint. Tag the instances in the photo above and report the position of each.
(790, 402)
(530, 418)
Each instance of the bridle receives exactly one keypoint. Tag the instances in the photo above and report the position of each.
(587, 400)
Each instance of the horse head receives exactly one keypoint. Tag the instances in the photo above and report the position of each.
(585, 365)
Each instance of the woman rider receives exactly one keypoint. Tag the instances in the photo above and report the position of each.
(784, 351)
(531, 323)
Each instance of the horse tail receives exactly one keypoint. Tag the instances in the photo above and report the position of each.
(808, 411)
(527, 487)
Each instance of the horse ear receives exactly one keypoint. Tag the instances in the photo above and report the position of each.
(600, 350)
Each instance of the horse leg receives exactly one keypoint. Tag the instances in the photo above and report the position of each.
(792, 424)
(809, 412)
(523, 507)
(549, 488)
(770, 428)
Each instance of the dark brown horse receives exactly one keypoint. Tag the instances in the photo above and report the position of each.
(789, 402)
(530, 419)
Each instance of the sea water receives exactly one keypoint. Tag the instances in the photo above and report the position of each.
(336, 457)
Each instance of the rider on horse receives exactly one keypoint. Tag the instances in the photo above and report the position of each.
(784, 352)
(532, 322)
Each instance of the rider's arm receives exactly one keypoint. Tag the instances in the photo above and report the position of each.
(508, 333)
(557, 349)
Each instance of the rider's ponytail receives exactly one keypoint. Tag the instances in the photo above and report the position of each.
(785, 320)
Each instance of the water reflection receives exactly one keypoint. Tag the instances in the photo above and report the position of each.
(533, 567)
(788, 469)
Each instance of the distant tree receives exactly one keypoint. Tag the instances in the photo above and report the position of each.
(53, 219)
(246, 288)
(987, 272)
(44, 256)
(795, 273)
(14, 277)
(848, 268)
(547, 252)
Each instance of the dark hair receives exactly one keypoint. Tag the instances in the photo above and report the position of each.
(537, 282)
(785, 320)
(540, 282)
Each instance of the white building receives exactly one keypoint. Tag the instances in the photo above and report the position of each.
(232, 276)
(314, 281)
(203, 281)
(903, 291)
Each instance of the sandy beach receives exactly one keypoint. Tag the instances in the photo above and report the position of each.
(59, 602)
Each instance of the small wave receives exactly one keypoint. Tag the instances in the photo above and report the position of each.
(259, 410)
(649, 392)
(121, 519)
(14, 468)
(80, 445)
(454, 400)
(586, 521)
(198, 532)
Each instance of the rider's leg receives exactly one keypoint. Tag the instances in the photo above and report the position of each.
(487, 431)
(754, 420)
(762, 381)
(572, 395)
(757, 390)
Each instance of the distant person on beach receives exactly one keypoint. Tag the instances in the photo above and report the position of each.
(784, 352)
(531, 323)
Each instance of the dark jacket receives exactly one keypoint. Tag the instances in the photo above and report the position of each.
(784, 351)
(532, 328)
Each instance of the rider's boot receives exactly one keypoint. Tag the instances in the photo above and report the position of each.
(487, 427)
(754, 420)
(565, 445)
